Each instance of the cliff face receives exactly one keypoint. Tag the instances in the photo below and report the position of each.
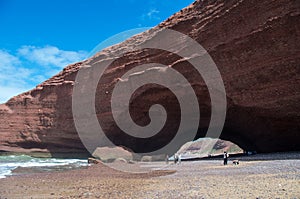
(41, 120)
(255, 45)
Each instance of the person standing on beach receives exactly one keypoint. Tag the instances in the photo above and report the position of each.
(167, 159)
(179, 158)
(225, 157)
(176, 158)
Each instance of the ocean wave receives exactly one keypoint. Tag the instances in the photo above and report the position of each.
(11, 162)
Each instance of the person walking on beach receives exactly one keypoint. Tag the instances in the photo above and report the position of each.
(225, 157)
(176, 158)
(179, 158)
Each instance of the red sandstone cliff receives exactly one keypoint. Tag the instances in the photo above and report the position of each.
(256, 46)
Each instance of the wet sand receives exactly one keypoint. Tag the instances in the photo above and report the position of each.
(198, 179)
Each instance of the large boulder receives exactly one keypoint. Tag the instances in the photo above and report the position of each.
(153, 158)
(111, 154)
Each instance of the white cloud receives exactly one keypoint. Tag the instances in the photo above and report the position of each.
(152, 14)
(51, 55)
(12, 76)
(7, 60)
(30, 66)
(10, 66)
(6, 92)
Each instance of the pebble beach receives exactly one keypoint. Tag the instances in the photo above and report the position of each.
(269, 177)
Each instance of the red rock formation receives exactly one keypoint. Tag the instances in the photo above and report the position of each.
(255, 45)
(206, 147)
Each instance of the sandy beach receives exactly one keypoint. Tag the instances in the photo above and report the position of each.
(278, 178)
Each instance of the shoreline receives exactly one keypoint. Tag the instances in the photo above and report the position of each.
(191, 179)
(255, 157)
(72, 155)
(39, 154)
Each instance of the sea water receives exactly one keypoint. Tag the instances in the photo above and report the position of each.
(11, 162)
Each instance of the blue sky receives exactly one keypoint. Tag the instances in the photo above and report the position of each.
(38, 38)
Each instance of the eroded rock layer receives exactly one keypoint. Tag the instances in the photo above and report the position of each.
(255, 45)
